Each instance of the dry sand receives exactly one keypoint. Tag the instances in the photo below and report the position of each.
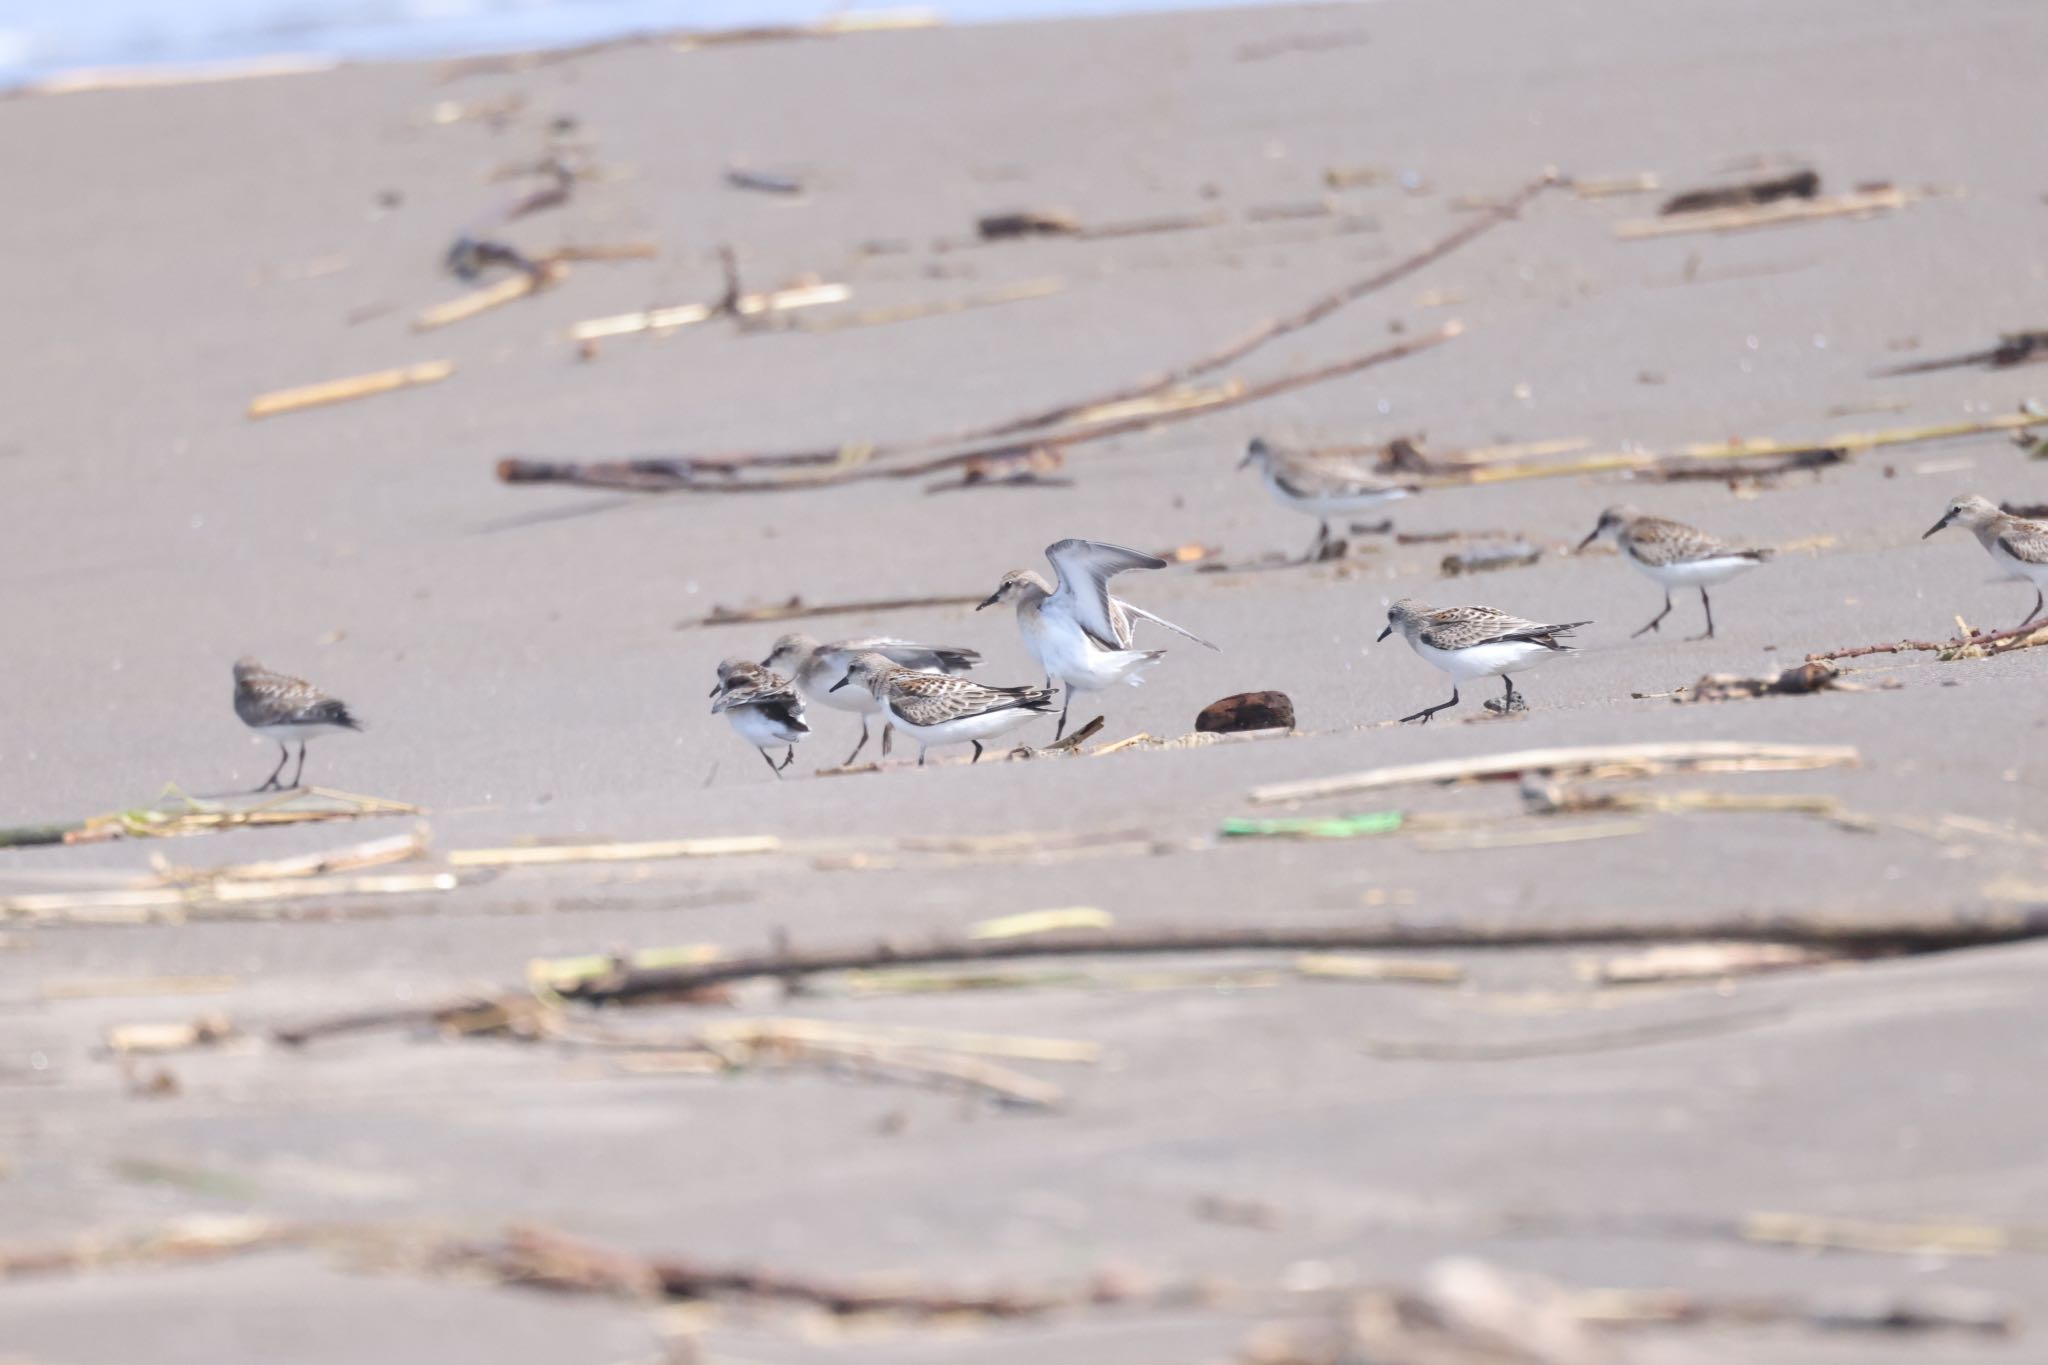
(170, 253)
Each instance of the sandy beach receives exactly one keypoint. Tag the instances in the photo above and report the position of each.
(1234, 1145)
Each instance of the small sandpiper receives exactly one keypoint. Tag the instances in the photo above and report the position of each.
(816, 668)
(763, 707)
(285, 709)
(1673, 555)
(2019, 546)
(1474, 642)
(1079, 633)
(933, 708)
(1323, 484)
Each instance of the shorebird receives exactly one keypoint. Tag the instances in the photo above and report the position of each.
(1673, 555)
(936, 709)
(762, 706)
(1079, 633)
(282, 708)
(2019, 546)
(816, 668)
(1474, 642)
(1321, 483)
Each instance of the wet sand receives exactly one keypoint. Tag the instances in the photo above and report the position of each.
(520, 657)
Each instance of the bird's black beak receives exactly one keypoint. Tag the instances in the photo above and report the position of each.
(991, 599)
(716, 690)
(1246, 460)
(1946, 519)
(842, 682)
(1591, 536)
(1385, 633)
(768, 662)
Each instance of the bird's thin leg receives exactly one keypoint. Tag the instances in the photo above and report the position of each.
(2040, 600)
(1707, 602)
(284, 756)
(1659, 619)
(299, 771)
(1320, 543)
(977, 753)
(888, 733)
(1426, 712)
(769, 761)
(789, 758)
(1511, 699)
(920, 755)
(1064, 704)
(863, 743)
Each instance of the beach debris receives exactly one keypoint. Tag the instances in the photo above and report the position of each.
(744, 305)
(554, 855)
(1815, 675)
(227, 900)
(1593, 760)
(786, 320)
(996, 227)
(796, 608)
(1097, 408)
(473, 252)
(1042, 922)
(1247, 711)
(1895, 1239)
(2013, 348)
(125, 987)
(545, 275)
(1026, 467)
(768, 182)
(279, 401)
(1574, 1044)
(1609, 186)
(1360, 967)
(553, 1261)
(206, 1030)
(1364, 824)
(1514, 554)
(1860, 936)
(1861, 203)
(1695, 961)
(183, 814)
(1800, 184)
(177, 1242)
(1070, 743)
(1680, 469)
(1969, 645)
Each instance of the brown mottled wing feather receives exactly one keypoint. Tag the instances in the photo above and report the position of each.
(1464, 627)
(932, 699)
(280, 699)
(1656, 541)
(2026, 541)
(1327, 476)
(757, 686)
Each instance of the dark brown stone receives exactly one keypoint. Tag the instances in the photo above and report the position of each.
(1247, 711)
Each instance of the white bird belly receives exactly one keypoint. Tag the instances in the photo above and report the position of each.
(1697, 573)
(852, 697)
(760, 729)
(1326, 505)
(2016, 567)
(967, 728)
(1483, 661)
(296, 734)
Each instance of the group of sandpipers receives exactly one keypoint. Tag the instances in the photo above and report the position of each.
(1083, 636)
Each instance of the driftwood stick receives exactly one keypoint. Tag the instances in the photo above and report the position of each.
(1574, 759)
(1862, 935)
(2020, 637)
(1274, 328)
(538, 1256)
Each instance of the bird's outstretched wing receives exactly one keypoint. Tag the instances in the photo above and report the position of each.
(1085, 568)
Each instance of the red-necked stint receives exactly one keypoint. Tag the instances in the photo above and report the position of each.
(287, 710)
(1078, 632)
(816, 668)
(1673, 555)
(2020, 546)
(1474, 642)
(934, 709)
(763, 707)
(1322, 484)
